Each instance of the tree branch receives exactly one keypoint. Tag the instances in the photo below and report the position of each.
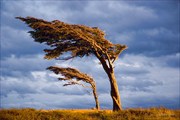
(109, 62)
(72, 82)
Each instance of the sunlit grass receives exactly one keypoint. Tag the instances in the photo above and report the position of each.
(128, 114)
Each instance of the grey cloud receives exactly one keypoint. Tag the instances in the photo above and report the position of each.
(78, 101)
(131, 71)
(107, 13)
(18, 42)
(67, 90)
(170, 60)
(23, 65)
(153, 101)
(9, 85)
(87, 102)
(136, 83)
(139, 84)
(65, 101)
(154, 42)
(159, 8)
(22, 83)
(157, 75)
(28, 9)
(163, 42)
(117, 18)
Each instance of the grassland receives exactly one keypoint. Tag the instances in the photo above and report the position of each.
(129, 114)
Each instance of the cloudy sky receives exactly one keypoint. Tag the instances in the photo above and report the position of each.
(147, 72)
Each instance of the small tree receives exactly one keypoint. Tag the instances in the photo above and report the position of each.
(79, 40)
(69, 74)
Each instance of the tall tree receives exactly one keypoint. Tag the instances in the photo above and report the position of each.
(79, 41)
(73, 76)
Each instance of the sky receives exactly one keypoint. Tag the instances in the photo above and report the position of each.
(148, 72)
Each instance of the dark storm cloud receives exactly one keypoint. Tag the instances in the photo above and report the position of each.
(15, 39)
(17, 42)
(154, 42)
(155, 37)
(152, 30)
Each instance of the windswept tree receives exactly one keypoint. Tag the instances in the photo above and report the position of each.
(79, 41)
(74, 77)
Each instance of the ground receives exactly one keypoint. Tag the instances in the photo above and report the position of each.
(81, 114)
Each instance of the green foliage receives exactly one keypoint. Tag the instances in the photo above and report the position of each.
(129, 114)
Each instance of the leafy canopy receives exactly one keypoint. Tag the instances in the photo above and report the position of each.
(79, 40)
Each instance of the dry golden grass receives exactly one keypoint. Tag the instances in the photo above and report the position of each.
(87, 114)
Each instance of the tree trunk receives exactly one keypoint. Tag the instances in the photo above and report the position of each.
(115, 92)
(95, 96)
(114, 86)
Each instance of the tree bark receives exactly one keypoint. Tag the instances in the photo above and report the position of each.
(114, 87)
(96, 97)
(112, 79)
(115, 92)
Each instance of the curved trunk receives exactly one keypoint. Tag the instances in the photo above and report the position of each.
(114, 86)
(95, 96)
(115, 92)
(108, 68)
